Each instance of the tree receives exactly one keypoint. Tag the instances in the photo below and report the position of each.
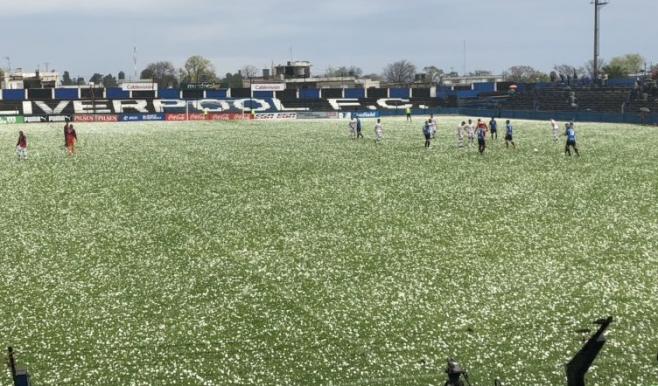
(249, 71)
(622, 66)
(109, 81)
(121, 75)
(433, 74)
(96, 79)
(198, 69)
(525, 74)
(343, 71)
(615, 71)
(589, 67)
(232, 81)
(400, 73)
(79, 81)
(569, 70)
(162, 73)
(66, 79)
(654, 72)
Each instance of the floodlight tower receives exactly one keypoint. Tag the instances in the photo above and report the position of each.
(598, 4)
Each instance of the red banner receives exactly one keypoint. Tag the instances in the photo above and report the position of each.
(95, 118)
(176, 117)
(230, 116)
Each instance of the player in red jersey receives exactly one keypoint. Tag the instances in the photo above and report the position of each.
(71, 139)
(21, 146)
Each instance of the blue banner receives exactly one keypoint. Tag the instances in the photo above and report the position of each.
(367, 114)
(141, 117)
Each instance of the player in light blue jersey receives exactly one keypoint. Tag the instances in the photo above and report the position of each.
(427, 132)
(509, 135)
(571, 140)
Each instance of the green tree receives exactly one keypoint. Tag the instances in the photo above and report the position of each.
(96, 79)
(109, 81)
(525, 74)
(66, 79)
(162, 73)
(232, 81)
(121, 75)
(622, 66)
(198, 69)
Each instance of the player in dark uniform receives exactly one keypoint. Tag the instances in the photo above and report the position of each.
(481, 132)
(427, 132)
(359, 129)
(493, 126)
(571, 140)
(509, 135)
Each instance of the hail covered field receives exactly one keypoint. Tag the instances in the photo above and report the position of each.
(286, 253)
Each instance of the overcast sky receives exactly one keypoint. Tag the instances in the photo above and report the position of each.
(98, 35)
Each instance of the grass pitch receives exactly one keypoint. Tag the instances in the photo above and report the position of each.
(285, 253)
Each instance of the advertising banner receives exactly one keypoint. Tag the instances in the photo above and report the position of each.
(366, 114)
(275, 116)
(141, 117)
(95, 118)
(36, 119)
(139, 86)
(268, 87)
(59, 118)
(176, 117)
(229, 117)
(318, 115)
(11, 120)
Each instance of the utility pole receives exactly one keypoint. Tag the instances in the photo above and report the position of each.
(598, 4)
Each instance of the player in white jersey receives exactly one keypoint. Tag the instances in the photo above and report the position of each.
(460, 134)
(352, 126)
(433, 125)
(379, 131)
(555, 127)
(470, 132)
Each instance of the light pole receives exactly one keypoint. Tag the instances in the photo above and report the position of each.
(598, 4)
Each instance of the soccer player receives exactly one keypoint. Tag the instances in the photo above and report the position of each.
(481, 132)
(379, 131)
(408, 112)
(571, 140)
(460, 134)
(352, 126)
(493, 126)
(470, 132)
(71, 139)
(21, 146)
(433, 125)
(359, 134)
(555, 129)
(509, 135)
(66, 127)
(427, 131)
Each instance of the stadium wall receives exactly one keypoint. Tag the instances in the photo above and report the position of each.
(117, 105)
